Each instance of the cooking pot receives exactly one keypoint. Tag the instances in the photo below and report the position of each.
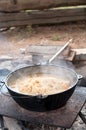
(42, 103)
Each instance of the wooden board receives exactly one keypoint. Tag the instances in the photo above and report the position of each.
(11, 124)
(42, 17)
(17, 5)
(80, 54)
(44, 52)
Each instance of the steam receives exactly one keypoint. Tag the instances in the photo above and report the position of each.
(16, 63)
(7, 53)
(6, 45)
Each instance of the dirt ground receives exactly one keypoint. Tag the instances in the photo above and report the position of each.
(15, 38)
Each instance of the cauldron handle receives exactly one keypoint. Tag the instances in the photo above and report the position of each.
(3, 83)
(79, 76)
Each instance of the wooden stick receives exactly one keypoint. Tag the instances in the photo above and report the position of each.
(56, 54)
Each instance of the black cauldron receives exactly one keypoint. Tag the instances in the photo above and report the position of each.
(38, 102)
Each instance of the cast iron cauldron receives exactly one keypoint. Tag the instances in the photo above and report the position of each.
(38, 102)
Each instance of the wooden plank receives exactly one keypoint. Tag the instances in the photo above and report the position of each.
(48, 51)
(38, 52)
(42, 49)
(42, 17)
(11, 124)
(80, 51)
(17, 5)
(80, 54)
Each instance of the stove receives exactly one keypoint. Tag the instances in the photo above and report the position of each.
(8, 107)
(11, 109)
